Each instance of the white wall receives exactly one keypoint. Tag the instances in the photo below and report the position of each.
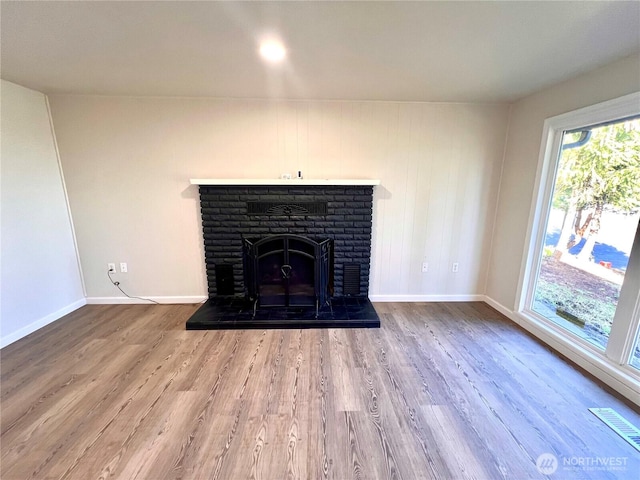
(39, 269)
(521, 160)
(128, 160)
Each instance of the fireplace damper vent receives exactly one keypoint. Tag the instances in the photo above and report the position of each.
(224, 279)
(280, 208)
(351, 279)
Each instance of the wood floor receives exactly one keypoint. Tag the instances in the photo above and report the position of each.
(442, 391)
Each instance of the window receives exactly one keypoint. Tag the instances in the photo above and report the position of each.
(582, 274)
(591, 225)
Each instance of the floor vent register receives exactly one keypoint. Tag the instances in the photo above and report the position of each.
(619, 424)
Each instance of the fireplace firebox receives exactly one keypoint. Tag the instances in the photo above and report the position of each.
(287, 270)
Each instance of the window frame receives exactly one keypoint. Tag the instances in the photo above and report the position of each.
(616, 358)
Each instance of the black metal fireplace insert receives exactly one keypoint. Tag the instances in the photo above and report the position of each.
(287, 270)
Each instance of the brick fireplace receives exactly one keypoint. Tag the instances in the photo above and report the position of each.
(339, 212)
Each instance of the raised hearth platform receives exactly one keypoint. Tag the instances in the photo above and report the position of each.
(229, 313)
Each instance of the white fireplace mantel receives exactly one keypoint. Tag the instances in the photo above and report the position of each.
(293, 182)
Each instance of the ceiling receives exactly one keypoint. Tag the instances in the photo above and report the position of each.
(454, 51)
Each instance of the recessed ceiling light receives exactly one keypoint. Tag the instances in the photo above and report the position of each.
(272, 51)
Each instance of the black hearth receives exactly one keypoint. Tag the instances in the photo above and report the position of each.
(286, 256)
(229, 313)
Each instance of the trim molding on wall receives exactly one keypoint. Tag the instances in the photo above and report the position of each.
(373, 298)
(287, 183)
(38, 324)
(138, 301)
(66, 196)
(603, 369)
(427, 298)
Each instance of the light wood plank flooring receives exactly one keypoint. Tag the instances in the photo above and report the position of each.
(446, 391)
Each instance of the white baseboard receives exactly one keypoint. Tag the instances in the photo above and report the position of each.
(426, 298)
(33, 326)
(499, 307)
(136, 301)
(597, 365)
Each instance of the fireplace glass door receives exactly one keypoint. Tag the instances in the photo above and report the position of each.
(272, 280)
(286, 273)
(283, 270)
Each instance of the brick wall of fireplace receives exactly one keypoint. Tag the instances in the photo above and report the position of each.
(340, 213)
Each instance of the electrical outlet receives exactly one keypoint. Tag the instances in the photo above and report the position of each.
(123, 267)
(425, 267)
(111, 267)
(455, 267)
